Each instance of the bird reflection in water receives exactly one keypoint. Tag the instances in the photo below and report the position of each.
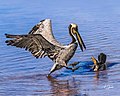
(101, 75)
(65, 87)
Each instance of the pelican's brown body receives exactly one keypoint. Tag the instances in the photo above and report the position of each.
(41, 42)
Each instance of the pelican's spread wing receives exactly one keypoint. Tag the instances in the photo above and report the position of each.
(44, 28)
(35, 43)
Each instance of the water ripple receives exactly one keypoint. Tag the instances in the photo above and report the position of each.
(22, 74)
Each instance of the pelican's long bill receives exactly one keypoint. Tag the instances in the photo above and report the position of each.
(80, 41)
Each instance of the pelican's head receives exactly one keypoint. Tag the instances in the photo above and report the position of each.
(73, 30)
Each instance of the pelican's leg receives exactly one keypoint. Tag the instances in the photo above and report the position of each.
(73, 66)
(53, 69)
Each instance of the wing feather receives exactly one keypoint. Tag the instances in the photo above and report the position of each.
(35, 43)
(44, 27)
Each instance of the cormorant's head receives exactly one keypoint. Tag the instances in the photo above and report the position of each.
(102, 58)
(100, 63)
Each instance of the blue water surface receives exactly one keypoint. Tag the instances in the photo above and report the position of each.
(98, 21)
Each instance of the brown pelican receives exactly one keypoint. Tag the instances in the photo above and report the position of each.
(41, 42)
(99, 64)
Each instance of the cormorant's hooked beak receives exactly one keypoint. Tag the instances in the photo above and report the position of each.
(95, 66)
(79, 39)
(94, 61)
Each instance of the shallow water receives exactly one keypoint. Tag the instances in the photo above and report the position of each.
(98, 21)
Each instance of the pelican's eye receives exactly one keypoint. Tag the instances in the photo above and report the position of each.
(75, 29)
